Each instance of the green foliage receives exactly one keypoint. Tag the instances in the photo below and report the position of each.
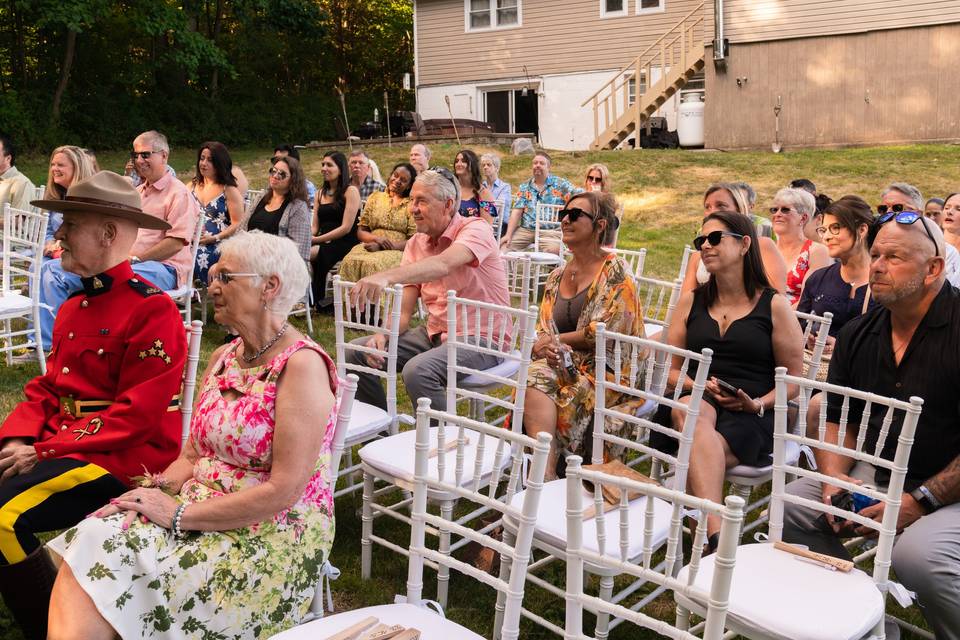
(239, 71)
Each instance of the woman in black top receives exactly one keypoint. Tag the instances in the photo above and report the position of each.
(752, 330)
(282, 211)
(336, 210)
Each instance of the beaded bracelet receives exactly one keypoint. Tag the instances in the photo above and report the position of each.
(177, 516)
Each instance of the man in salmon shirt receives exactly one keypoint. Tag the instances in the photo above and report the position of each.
(107, 408)
(447, 252)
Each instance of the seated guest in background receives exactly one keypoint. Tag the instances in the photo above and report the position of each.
(841, 288)
(901, 196)
(284, 150)
(101, 414)
(420, 157)
(68, 164)
(216, 192)
(545, 188)
(763, 225)
(361, 174)
(248, 502)
(806, 185)
(598, 178)
(724, 197)
(385, 227)
(15, 188)
(790, 213)
(502, 194)
(933, 209)
(92, 158)
(906, 347)
(282, 210)
(447, 252)
(594, 286)
(161, 254)
(752, 331)
(950, 221)
(335, 217)
(243, 185)
(475, 199)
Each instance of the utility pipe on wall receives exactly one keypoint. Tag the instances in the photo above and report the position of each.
(719, 44)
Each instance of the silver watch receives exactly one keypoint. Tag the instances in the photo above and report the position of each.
(760, 402)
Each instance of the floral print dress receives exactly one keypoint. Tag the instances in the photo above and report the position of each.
(612, 298)
(383, 220)
(215, 219)
(251, 582)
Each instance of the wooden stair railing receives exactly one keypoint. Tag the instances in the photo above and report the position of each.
(677, 55)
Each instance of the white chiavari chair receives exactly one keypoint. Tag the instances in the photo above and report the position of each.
(194, 331)
(635, 259)
(521, 288)
(22, 257)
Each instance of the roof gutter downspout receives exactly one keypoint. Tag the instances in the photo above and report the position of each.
(719, 41)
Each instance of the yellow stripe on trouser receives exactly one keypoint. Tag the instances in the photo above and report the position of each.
(15, 507)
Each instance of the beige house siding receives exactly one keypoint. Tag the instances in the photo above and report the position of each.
(758, 20)
(556, 36)
(847, 89)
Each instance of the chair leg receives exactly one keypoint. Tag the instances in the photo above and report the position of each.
(8, 342)
(508, 539)
(741, 490)
(443, 572)
(366, 528)
(683, 618)
(41, 356)
(603, 619)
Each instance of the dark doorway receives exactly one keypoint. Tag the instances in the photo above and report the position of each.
(526, 119)
(498, 110)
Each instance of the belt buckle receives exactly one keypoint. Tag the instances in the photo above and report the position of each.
(68, 406)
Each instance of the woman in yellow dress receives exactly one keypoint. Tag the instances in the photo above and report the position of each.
(385, 227)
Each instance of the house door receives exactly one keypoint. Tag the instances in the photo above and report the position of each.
(525, 113)
(510, 111)
(498, 111)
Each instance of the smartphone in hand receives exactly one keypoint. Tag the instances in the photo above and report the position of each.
(726, 388)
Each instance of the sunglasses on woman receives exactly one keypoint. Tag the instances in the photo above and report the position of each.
(905, 218)
(279, 174)
(573, 214)
(714, 238)
(595, 179)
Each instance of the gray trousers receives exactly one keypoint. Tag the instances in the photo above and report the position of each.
(423, 363)
(926, 556)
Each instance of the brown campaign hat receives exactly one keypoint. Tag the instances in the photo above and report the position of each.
(106, 193)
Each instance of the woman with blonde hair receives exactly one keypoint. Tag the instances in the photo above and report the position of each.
(598, 178)
(68, 164)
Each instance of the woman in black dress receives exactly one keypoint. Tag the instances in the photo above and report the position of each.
(752, 330)
(336, 210)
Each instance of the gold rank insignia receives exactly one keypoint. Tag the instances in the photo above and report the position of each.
(93, 426)
(152, 290)
(97, 283)
(156, 351)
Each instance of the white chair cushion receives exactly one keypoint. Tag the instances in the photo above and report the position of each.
(783, 598)
(432, 625)
(551, 526)
(13, 302)
(792, 454)
(506, 369)
(652, 329)
(366, 421)
(180, 292)
(536, 256)
(394, 456)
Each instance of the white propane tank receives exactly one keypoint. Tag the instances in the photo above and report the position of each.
(690, 120)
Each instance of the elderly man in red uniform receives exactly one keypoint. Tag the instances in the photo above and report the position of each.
(108, 407)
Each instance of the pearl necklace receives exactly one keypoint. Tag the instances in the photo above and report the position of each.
(267, 346)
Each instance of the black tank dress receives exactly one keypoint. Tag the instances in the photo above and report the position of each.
(329, 217)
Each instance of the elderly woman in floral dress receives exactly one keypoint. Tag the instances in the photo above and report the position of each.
(227, 542)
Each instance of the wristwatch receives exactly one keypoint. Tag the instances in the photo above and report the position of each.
(925, 499)
(760, 402)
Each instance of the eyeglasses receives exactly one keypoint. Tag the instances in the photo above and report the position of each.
(833, 228)
(279, 174)
(902, 217)
(895, 208)
(595, 179)
(225, 277)
(775, 210)
(714, 238)
(573, 214)
(143, 155)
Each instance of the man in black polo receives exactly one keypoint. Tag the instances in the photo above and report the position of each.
(909, 346)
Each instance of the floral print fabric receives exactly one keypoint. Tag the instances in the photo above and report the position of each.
(251, 582)
(613, 299)
(215, 220)
(384, 220)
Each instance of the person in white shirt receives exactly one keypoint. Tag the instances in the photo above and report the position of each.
(15, 188)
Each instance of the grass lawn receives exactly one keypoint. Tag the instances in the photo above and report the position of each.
(661, 192)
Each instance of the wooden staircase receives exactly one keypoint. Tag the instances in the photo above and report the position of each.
(676, 57)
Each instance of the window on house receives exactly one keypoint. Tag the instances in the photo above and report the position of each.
(490, 14)
(650, 6)
(610, 8)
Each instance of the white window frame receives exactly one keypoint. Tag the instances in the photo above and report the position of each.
(641, 11)
(614, 14)
(494, 26)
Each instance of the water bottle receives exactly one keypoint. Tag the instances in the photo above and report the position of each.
(567, 371)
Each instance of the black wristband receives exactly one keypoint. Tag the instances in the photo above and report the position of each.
(925, 499)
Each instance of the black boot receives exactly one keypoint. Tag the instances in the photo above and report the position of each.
(26, 588)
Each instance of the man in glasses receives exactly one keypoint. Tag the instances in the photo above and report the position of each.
(284, 150)
(107, 408)
(543, 187)
(449, 251)
(906, 347)
(162, 256)
(900, 197)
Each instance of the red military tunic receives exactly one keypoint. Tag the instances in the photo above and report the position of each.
(120, 340)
